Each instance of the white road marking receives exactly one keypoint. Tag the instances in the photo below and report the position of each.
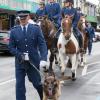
(6, 82)
(97, 83)
(84, 71)
(97, 70)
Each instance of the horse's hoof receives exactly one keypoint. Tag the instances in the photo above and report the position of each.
(73, 76)
(56, 62)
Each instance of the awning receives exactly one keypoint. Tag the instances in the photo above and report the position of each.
(91, 19)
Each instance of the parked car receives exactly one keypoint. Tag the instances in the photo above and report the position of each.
(4, 40)
(97, 37)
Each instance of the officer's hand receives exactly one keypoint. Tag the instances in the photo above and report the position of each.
(22, 58)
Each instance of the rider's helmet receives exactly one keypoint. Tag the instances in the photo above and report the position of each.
(71, 1)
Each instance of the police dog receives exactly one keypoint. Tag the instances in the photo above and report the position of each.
(51, 87)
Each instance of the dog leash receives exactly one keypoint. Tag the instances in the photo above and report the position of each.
(36, 68)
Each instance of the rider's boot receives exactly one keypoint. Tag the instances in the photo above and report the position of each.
(80, 42)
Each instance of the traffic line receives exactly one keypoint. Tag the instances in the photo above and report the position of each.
(6, 82)
(97, 70)
(84, 71)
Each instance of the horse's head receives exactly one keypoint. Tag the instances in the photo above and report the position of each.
(67, 26)
(44, 24)
(43, 20)
(47, 26)
(82, 23)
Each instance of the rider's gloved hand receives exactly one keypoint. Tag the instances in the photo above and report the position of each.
(43, 65)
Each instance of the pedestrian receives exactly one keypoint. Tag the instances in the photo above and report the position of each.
(26, 41)
(69, 10)
(41, 10)
(91, 33)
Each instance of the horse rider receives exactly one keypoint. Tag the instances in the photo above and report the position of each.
(91, 33)
(41, 10)
(79, 13)
(53, 10)
(68, 9)
(28, 45)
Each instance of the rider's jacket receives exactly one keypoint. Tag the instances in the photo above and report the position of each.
(91, 32)
(71, 12)
(53, 11)
(40, 12)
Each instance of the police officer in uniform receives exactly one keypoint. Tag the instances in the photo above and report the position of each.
(26, 41)
(41, 10)
(79, 13)
(68, 9)
(53, 10)
(91, 33)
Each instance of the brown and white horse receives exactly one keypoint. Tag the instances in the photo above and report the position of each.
(68, 47)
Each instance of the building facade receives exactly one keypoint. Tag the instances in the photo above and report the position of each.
(8, 10)
(88, 9)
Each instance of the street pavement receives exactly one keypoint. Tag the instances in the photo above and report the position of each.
(86, 87)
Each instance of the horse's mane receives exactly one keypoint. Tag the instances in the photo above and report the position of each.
(47, 26)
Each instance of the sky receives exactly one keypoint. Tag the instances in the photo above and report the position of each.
(94, 1)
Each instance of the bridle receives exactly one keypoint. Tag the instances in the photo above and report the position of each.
(66, 30)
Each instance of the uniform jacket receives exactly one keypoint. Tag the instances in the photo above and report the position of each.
(40, 12)
(53, 11)
(78, 16)
(91, 32)
(32, 42)
(71, 11)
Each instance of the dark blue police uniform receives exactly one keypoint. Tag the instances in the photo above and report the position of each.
(40, 12)
(31, 42)
(79, 13)
(91, 34)
(53, 11)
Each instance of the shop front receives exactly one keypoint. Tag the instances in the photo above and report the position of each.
(8, 10)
